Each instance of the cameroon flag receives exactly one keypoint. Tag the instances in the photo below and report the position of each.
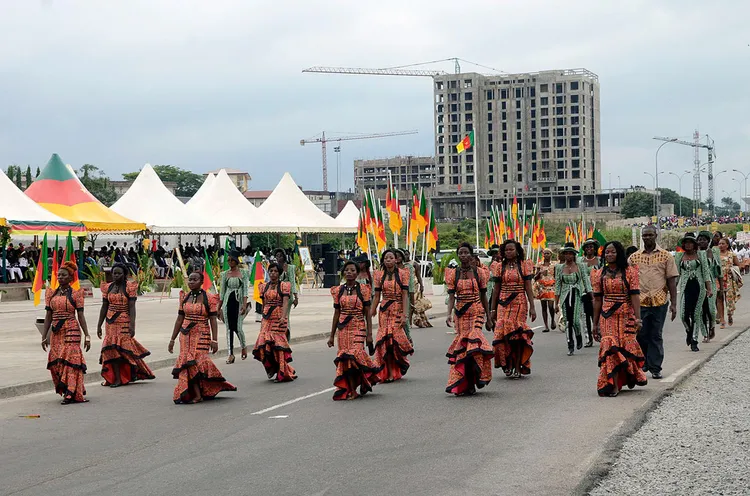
(208, 273)
(257, 275)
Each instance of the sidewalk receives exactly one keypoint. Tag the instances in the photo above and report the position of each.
(23, 363)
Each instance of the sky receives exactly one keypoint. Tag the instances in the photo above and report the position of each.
(204, 85)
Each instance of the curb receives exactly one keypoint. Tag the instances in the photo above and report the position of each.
(601, 466)
(90, 378)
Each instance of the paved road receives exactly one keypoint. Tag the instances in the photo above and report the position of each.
(535, 436)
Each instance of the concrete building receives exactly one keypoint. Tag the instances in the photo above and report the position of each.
(241, 179)
(405, 171)
(536, 134)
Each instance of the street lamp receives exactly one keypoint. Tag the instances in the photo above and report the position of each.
(337, 150)
(744, 196)
(656, 192)
(679, 182)
(656, 174)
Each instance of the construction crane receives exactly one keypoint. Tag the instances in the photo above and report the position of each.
(323, 141)
(697, 145)
(400, 70)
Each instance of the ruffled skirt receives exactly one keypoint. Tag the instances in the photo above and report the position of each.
(121, 347)
(197, 369)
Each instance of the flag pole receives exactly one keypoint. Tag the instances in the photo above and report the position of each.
(391, 188)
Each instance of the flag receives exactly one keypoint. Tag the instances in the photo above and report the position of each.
(542, 234)
(70, 256)
(424, 215)
(369, 214)
(53, 284)
(41, 269)
(487, 235)
(432, 232)
(380, 237)
(225, 265)
(414, 221)
(208, 273)
(361, 233)
(466, 143)
(598, 236)
(257, 275)
(394, 212)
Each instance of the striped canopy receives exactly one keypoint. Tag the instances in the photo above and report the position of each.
(60, 191)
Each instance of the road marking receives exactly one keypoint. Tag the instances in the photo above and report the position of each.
(278, 416)
(295, 400)
(679, 372)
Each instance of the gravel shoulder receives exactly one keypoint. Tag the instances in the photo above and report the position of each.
(697, 441)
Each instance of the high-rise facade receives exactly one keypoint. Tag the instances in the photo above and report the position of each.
(405, 172)
(536, 134)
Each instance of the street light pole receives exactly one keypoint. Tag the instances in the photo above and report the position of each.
(656, 176)
(656, 192)
(744, 196)
(337, 150)
(679, 185)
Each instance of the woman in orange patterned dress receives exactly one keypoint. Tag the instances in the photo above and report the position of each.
(197, 375)
(272, 346)
(512, 303)
(122, 356)
(470, 355)
(354, 368)
(544, 288)
(65, 361)
(392, 347)
(617, 320)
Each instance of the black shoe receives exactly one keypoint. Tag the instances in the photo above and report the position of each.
(694, 346)
(656, 375)
(579, 342)
(570, 351)
(545, 330)
(589, 341)
(689, 339)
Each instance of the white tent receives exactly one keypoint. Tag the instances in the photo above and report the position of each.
(224, 202)
(21, 213)
(287, 209)
(349, 216)
(202, 190)
(149, 201)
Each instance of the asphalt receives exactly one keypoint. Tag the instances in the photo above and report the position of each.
(539, 435)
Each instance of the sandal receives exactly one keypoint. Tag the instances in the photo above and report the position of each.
(244, 353)
(115, 385)
(230, 359)
(730, 321)
(195, 401)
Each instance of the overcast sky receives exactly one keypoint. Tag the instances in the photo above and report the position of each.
(209, 84)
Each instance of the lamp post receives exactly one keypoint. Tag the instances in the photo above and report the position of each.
(337, 150)
(713, 207)
(656, 192)
(744, 195)
(656, 175)
(679, 185)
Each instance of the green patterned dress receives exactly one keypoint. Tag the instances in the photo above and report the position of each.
(232, 291)
(569, 288)
(714, 267)
(694, 274)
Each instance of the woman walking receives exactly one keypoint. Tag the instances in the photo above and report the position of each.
(591, 261)
(65, 320)
(694, 288)
(233, 291)
(351, 318)
(717, 283)
(470, 355)
(272, 346)
(512, 302)
(544, 288)
(731, 282)
(121, 356)
(197, 376)
(392, 347)
(572, 283)
(617, 319)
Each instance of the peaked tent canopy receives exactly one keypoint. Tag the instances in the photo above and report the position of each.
(349, 216)
(224, 202)
(205, 187)
(25, 217)
(149, 201)
(287, 209)
(59, 190)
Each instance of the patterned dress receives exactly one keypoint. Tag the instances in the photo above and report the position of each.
(65, 360)
(571, 288)
(544, 287)
(620, 357)
(714, 267)
(732, 293)
(232, 290)
(694, 274)
(512, 313)
(194, 365)
(470, 355)
(118, 344)
(352, 361)
(272, 346)
(392, 347)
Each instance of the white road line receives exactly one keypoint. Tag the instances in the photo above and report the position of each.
(673, 377)
(278, 416)
(295, 400)
(537, 327)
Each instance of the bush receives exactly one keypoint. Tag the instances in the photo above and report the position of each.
(95, 274)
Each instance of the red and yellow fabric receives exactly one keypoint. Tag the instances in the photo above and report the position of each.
(392, 347)
(65, 360)
(59, 190)
(470, 355)
(354, 367)
(194, 364)
(272, 347)
(544, 287)
(118, 345)
(512, 314)
(620, 357)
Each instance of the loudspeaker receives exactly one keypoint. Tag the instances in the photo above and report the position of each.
(316, 252)
(325, 248)
(330, 262)
(330, 280)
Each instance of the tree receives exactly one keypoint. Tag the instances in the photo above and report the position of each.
(38, 171)
(728, 207)
(18, 177)
(638, 204)
(97, 183)
(187, 181)
(29, 180)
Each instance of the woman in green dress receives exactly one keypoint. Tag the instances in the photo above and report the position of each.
(233, 291)
(572, 282)
(694, 288)
(717, 283)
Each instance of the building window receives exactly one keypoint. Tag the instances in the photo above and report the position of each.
(573, 98)
(559, 110)
(505, 157)
(532, 92)
(491, 158)
(468, 95)
(454, 117)
(441, 180)
(489, 148)
(454, 138)
(505, 136)
(533, 176)
(492, 179)
(560, 153)
(490, 95)
(560, 131)
(576, 174)
(545, 153)
(561, 164)
(533, 155)
(518, 92)
(441, 149)
(574, 120)
(518, 135)
(561, 174)
(469, 158)
(489, 138)
(518, 114)
(454, 159)
(454, 128)
(469, 179)
(454, 97)
(560, 142)
(533, 103)
(544, 101)
(533, 113)
(576, 152)
(469, 127)
(574, 109)
(505, 178)
(491, 168)
(505, 126)
(467, 83)
(505, 147)
(559, 87)
(503, 94)
(441, 160)
(505, 167)
(533, 124)
(545, 122)
(574, 85)
(543, 88)
(545, 164)
(545, 112)
(533, 165)
(533, 135)
(504, 116)
(489, 116)
(520, 167)
(467, 117)
(545, 133)
(574, 141)
(560, 121)
(520, 178)
(545, 144)
(489, 127)
(575, 163)
(574, 131)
